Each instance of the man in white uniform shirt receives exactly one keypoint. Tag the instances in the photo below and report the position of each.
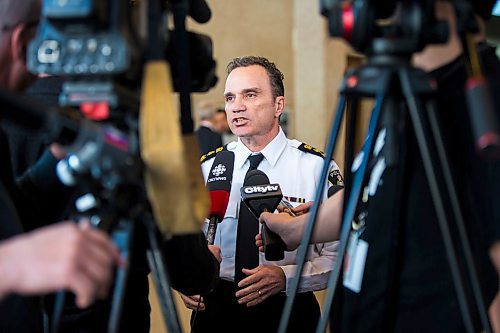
(254, 101)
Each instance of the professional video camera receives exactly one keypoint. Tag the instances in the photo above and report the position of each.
(98, 51)
(364, 24)
(98, 38)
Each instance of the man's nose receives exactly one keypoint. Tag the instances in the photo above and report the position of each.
(238, 104)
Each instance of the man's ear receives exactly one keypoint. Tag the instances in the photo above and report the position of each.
(19, 40)
(279, 102)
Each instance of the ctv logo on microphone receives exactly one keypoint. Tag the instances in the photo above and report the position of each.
(261, 189)
(218, 173)
(219, 170)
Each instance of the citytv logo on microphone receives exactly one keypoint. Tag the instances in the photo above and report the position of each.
(218, 171)
(261, 189)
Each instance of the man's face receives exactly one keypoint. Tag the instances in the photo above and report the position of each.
(250, 107)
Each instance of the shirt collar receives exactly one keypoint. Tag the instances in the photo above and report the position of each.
(271, 152)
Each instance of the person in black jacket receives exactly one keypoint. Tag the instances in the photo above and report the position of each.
(407, 285)
(207, 133)
(65, 255)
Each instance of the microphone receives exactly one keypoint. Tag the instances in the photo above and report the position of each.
(199, 11)
(218, 204)
(219, 188)
(261, 196)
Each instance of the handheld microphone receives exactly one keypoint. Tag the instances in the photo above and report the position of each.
(219, 188)
(199, 11)
(261, 196)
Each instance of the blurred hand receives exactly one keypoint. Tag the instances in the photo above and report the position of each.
(495, 255)
(261, 282)
(57, 151)
(191, 302)
(61, 256)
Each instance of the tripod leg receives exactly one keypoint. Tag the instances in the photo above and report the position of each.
(351, 120)
(161, 279)
(421, 134)
(349, 212)
(58, 311)
(121, 237)
(306, 237)
(471, 269)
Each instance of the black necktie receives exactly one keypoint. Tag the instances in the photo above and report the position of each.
(247, 254)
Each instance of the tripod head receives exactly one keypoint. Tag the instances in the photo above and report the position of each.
(396, 27)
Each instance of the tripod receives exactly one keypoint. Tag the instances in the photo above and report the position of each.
(158, 270)
(401, 92)
(411, 86)
(122, 216)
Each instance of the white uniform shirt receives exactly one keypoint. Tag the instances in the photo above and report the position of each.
(298, 173)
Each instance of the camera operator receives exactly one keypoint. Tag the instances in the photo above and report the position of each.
(416, 293)
(63, 271)
(65, 255)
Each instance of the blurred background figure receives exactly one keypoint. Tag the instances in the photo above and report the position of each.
(221, 125)
(208, 135)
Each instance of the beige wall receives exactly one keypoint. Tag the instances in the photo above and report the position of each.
(253, 27)
(293, 35)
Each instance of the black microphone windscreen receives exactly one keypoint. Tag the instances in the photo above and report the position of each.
(218, 177)
(255, 177)
(199, 11)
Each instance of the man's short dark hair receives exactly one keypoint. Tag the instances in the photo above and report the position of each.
(274, 74)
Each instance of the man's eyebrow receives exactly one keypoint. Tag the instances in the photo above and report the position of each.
(244, 91)
(254, 89)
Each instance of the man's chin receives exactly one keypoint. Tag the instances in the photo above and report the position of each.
(240, 132)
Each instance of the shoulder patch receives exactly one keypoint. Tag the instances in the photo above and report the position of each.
(335, 177)
(212, 154)
(310, 149)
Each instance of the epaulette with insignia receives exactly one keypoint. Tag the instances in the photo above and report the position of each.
(310, 149)
(211, 154)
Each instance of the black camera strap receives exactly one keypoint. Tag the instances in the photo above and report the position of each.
(179, 12)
